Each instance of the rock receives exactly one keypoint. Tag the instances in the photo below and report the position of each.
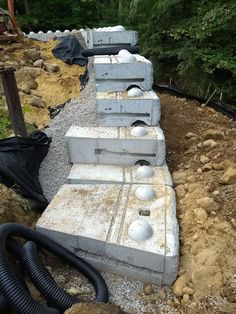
(191, 179)
(201, 214)
(1, 64)
(73, 291)
(32, 54)
(199, 145)
(199, 170)
(35, 93)
(179, 284)
(204, 159)
(188, 290)
(180, 191)
(162, 294)
(209, 143)
(216, 192)
(207, 167)
(37, 102)
(217, 167)
(229, 177)
(186, 298)
(51, 68)
(179, 177)
(213, 134)
(148, 289)
(32, 71)
(38, 63)
(195, 238)
(190, 135)
(25, 81)
(207, 203)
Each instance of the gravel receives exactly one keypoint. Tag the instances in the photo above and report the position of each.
(81, 112)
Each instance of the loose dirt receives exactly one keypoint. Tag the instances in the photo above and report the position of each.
(43, 80)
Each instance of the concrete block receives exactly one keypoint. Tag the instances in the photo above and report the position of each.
(115, 174)
(117, 73)
(103, 39)
(117, 146)
(120, 109)
(133, 224)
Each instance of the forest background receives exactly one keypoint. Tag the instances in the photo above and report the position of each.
(191, 43)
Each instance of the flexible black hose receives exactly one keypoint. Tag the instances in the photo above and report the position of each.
(42, 279)
(109, 50)
(18, 298)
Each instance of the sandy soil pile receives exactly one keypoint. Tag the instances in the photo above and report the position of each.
(43, 80)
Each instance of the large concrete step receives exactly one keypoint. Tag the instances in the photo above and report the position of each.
(128, 108)
(117, 146)
(118, 73)
(133, 225)
(115, 174)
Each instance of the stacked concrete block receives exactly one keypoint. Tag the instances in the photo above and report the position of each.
(116, 174)
(134, 226)
(128, 108)
(118, 210)
(118, 146)
(109, 37)
(120, 72)
(49, 35)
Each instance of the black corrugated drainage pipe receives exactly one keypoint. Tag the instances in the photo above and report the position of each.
(12, 288)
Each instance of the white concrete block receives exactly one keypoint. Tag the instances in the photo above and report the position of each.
(114, 221)
(103, 39)
(120, 109)
(115, 73)
(117, 146)
(115, 174)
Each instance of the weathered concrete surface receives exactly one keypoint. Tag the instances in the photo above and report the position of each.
(103, 39)
(98, 219)
(117, 146)
(119, 109)
(113, 74)
(115, 174)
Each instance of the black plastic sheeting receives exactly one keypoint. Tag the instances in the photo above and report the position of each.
(218, 105)
(69, 51)
(20, 159)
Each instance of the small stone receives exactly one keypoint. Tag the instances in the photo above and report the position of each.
(207, 203)
(148, 289)
(209, 143)
(180, 191)
(162, 294)
(179, 177)
(199, 170)
(217, 167)
(216, 192)
(213, 134)
(190, 135)
(51, 68)
(199, 145)
(73, 291)
(186, 298)
(204, 159)
(176, 301)
(187, 290)
(37, 102)
(38, 63)
(229, 177)
(35, 93)
(195, 238)
(201, 214)
(179, 284)
(207, 167)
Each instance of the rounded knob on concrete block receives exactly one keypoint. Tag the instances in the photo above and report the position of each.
(57, 31)
(139, 131)
(140, 230)
(129, 58)
(66, 31)
(31, 33)
(49, 32)
(145, 172)
(145, 193)
(118, 28)
(123, 52)
(40, 33)
(135, 92)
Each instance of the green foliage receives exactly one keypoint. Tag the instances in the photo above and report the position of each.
(190, 42)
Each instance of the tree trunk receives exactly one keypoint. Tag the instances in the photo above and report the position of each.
(26, 4)
(120, 9)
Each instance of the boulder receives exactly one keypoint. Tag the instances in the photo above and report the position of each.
(32, 54)
(209, 143)
(179, 177)
(38, 63)
(37, 102)
(213, 134)
(51, 68)
(207, 203)
(204, 159)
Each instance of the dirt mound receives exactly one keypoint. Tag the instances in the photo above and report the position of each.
(43, 80)
(201, 154)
